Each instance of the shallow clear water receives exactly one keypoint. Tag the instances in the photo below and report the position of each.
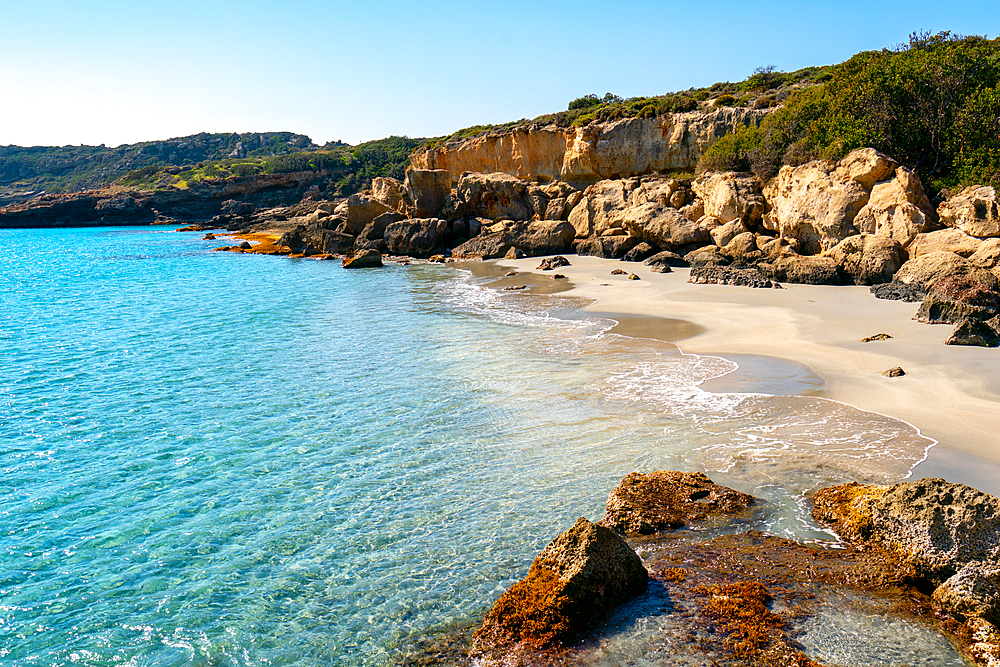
(219, 459)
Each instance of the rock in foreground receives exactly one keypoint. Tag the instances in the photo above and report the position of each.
(645, 503)
(571, 587)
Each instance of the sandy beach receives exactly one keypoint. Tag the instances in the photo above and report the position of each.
(951, 393)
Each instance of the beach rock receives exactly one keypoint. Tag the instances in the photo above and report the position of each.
(514, 253)
(538, 237)
(363, 260)
(723, 234)
(417, 237)
(663, 227)
(814, 205)
(376, 228)
(556, 209)
(743, 248)
(976, 332)
(646, 503)
(707, 256)
(897, 291)
(666, 259)
(987, 256)
(390, 193)
(294, 240)
(550, 263)
(607, 247)
(897, 208)
(956, 298)
(429, 192)
(973, 591)
(726, 275)
(819, 270)
(572, 586)
(484, 246)
(934, 525)
(868, 259)
(944, 240)
(922, 272)
(974, 210)
(362, 209)
(639, 253)
(619, 272)
(894, 372)
(494, 196)
(730, 196)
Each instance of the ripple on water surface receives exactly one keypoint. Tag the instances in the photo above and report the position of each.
(241, 460)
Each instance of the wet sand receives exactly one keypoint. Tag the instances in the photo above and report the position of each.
(807, 339)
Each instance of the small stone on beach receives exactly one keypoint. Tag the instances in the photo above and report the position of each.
(894, 372)
(619, 272)
(511, 273)
(514, 288)
(881, 336)
(632, 276)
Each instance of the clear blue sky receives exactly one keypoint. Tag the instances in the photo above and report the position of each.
(116, 72)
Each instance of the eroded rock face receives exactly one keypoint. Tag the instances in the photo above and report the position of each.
(869, 259)
(974, 210)
(417, 237)
(815, 204)
(389, 192)
(922, 272)
(956, 298)
(428, 190)
(362, 208)
(897, 208)
(664, 228)
(944, 240)
(812, 270)
(494, 196)
(583, 155)
(571, 587)
(987, 256)
(949, 533)
(730, 196)
(608, 247)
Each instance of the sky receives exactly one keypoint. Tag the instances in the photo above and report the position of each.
(115, 72)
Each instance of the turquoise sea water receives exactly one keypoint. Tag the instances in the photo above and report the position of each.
(219, 459)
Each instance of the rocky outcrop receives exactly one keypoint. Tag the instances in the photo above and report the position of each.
(897, 208)
(646, 503)
(571, 587)
(944, 240)
(987, 256)
(922, 272)
(390, 193)
(664, 228)
(608, 247)
(814, 205)
(949, 534)
(817, 270)
(630, 147)
(418, 237)
(429, 192)
(974, 210)
(868, 259)
(954, 299)
(729, 196)
(496, 196)
(532, 238)
(365, 259)
(727, 275)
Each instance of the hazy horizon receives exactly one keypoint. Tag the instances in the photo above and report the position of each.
(120, 73)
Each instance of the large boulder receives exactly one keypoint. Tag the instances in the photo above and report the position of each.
(417, 237)
(818, 270)
(949, 240)
(727, 275)
(538, 237)
(495, 196)
(429, 191)
(954, 299)
(974, 210)
(484, 246)
(331, 242)
(639, 252)
(977, 332)
(389, 192)
(572, 586)
(725, 233)
(897, 208)
(366, 259)
(815, 204)
(729, 196)
(922, 272)
(663, 227)
(987, 256)
(645, 503)
(376, 228)
(868, 259)
(608, 247)
(362, 208)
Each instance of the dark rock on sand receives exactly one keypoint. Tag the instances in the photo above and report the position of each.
(957, 298)
(725, 275)
(484, 246)
(645, 503)
(809, 270)
(897, 291)
(639, 253)
(980, 333)
(662, 262)
(619, 272)
(894, 372)
(550, 263)
(571, 587)
(606, 247)
(707, 256)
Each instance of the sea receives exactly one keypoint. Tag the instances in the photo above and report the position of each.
(228, 459)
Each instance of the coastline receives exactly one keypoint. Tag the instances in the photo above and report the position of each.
(949, 393)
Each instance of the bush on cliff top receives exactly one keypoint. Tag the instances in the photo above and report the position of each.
(933, 104)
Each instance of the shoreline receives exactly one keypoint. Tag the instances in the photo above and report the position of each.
(949, 393)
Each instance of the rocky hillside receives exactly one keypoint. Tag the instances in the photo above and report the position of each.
(29, 171)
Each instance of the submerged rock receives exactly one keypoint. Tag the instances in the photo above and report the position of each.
(645, 503)
(571, 587)
(366, 259)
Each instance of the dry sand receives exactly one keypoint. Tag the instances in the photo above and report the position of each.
(951, 393)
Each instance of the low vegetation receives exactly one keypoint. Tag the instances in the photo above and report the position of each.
(933, 104)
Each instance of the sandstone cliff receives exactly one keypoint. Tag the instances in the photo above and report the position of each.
(630, 147)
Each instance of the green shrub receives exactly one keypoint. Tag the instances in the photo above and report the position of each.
(585, 102)
(725, 100)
